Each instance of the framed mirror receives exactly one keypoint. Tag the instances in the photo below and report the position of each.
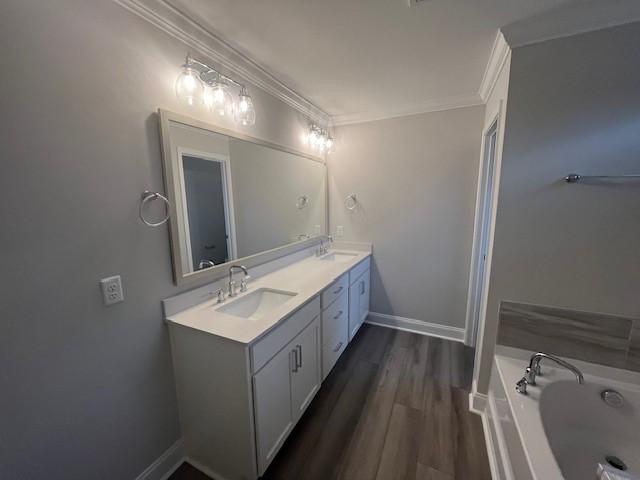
(235, 198)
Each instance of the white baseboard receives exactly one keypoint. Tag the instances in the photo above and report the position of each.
(416, 326)
(164, 465)
(491, 450)
(477, 403)
(207, 471)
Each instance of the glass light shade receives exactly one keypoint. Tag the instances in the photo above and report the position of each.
(322, 141)
(313, 138)
(245, 113)
(219, 100)
(189, 88)
(329, 144)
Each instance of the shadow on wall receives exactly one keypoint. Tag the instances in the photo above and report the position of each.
(380, 301)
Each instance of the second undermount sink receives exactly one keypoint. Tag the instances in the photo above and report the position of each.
(338, 257)
(257, 304)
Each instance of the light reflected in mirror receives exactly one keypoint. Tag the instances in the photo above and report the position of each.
(236, 197)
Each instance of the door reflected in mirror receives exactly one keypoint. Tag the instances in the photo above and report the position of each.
(207, 203)
(236, 197)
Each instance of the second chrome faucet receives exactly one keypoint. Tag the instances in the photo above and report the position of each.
(232, 283)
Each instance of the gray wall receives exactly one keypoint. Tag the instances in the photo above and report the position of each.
(415, 178)
(574, 106)
(87, 391)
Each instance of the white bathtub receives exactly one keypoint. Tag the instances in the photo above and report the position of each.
(560, 430)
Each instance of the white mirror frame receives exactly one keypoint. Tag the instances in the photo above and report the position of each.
(171, 159)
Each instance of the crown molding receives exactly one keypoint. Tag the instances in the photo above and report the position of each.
(181, 27)
(500, 52)
(435, 105)
(571, 19)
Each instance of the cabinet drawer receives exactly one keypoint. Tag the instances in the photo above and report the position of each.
(335, 332)
(359, 269)
(331, 354)
(334, 319)
(334, 290)
(273, 342)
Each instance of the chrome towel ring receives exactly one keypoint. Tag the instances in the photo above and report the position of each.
(351, 202)
(147, 197)
(302, 202)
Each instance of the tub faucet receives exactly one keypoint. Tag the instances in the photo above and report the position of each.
(533, 370)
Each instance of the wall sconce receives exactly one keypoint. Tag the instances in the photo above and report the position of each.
(319, 139)
(200, 83)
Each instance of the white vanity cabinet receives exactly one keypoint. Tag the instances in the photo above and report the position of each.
(241, 389)
(239, 402)
(283, 389)
(335, 322)
(359, 295)
(345, 306)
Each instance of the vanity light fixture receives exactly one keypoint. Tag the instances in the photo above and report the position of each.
(188, 85)
(319, 139)
(200, 83)
(245, 113)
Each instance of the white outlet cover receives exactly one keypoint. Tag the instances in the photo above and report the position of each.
(112, 290)
(340, 231)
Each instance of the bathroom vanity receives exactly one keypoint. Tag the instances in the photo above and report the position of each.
(249, 356)
(246, 369)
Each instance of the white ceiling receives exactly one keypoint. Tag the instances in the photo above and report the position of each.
(361, 59)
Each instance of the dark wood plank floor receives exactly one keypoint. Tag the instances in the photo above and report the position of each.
(394, 407)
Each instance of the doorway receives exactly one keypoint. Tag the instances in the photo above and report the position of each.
(479, 280)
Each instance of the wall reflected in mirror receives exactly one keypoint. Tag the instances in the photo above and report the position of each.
(235, 197)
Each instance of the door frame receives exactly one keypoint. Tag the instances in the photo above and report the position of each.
(227, 195)
(484, 228)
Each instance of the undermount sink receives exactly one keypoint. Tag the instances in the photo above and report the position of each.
(257, 304)
(338, 257)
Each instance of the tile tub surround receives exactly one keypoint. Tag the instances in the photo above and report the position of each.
(633, 356)
(593, 337)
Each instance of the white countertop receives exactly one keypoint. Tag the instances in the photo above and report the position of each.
(307, 278)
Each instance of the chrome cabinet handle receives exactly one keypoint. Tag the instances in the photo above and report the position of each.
(362, 287)
(294, 356)
(338, 315)
(299, 349)
(338, 291)
(338, 347)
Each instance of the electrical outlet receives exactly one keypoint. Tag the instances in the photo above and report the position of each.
(316, 230)
(339, 231)
(112, 290)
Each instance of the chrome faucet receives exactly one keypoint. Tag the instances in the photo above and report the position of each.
(232, 282)
(205, 264)
(322, 248)
(533, 370)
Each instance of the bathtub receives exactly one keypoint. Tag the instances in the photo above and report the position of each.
(560, 430)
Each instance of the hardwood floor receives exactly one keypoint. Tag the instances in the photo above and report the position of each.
(394, 407)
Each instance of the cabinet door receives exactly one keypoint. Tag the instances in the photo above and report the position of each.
(272, 404)
(354, 308)
(365, 295)
(305, 379)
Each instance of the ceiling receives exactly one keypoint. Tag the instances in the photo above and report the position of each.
(366, 59)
